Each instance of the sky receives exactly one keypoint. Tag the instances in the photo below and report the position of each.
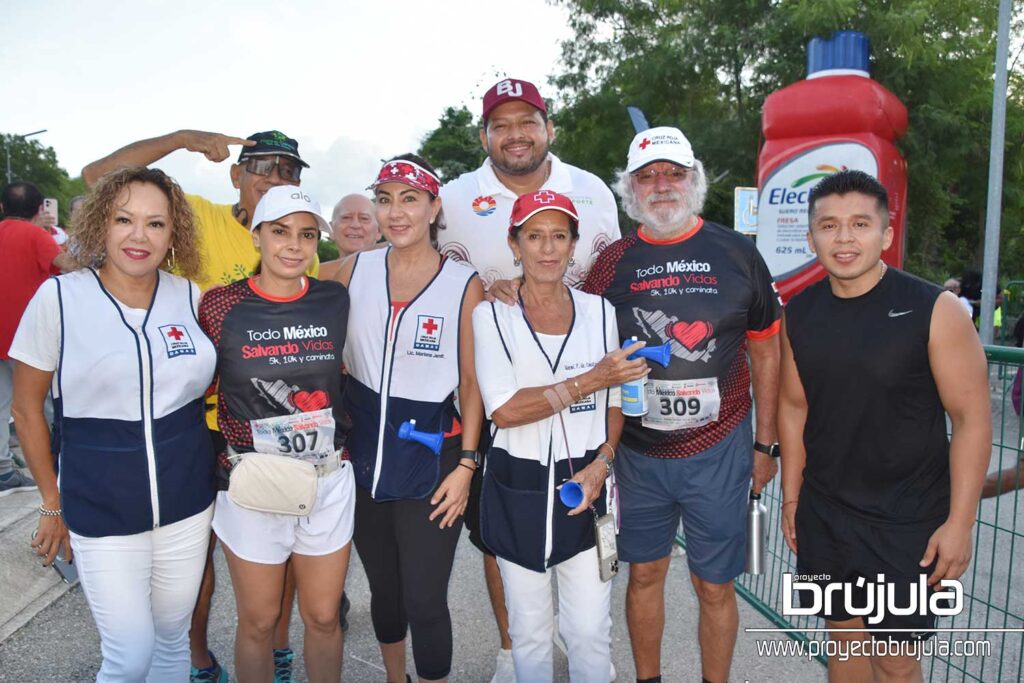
(353, 82)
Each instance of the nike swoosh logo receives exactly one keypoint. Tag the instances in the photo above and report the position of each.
(894, 314)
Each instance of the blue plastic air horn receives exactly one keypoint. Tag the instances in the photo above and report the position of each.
(571, 494)
(659, 354)
(432, 440)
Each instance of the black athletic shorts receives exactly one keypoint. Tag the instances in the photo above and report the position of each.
(835, 547)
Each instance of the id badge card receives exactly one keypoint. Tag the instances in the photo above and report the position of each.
(681, 404)
(607, 549)
(302, 435)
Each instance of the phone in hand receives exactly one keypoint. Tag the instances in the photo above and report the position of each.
(67, 571)
(50, 208)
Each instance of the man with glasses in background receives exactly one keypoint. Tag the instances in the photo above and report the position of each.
(704, 290)
(267, 159)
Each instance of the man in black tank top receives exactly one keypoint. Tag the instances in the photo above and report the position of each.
(873, 359)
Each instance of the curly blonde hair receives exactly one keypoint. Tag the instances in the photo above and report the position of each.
(87, 235)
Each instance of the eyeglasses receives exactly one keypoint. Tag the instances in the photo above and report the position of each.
(672, 175)
(265, 166)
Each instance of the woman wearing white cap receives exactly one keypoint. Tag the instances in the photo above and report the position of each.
(549, 371)
(410, 346)
(279, 336)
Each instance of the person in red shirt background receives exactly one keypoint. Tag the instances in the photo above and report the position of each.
(28, 255)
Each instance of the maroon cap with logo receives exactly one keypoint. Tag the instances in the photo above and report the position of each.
(511, 90)
(529, 205)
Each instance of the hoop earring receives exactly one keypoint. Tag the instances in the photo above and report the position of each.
(172, 262)
(516, 262)
(572, 260)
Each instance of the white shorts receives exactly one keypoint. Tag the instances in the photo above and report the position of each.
(269, 538)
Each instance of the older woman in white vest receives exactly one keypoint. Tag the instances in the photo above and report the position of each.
(120, 346)
(409, 347)
(549, 369)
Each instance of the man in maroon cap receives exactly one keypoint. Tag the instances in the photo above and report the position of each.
(517, 136)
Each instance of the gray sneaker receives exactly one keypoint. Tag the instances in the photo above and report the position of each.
(16, 482)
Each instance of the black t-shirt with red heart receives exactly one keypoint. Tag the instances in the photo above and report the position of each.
(705, 293)
(276, 357)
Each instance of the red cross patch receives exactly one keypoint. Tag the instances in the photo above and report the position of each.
(177, 341)
(428, 332)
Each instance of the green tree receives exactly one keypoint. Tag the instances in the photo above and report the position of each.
(37, 164)
(327, 250)
(453, 148)
(707, 65)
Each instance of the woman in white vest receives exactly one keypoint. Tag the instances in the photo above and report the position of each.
(409, 347)
(128, 364)
(549, 370)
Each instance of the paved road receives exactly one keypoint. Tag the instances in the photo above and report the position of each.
(60, 644)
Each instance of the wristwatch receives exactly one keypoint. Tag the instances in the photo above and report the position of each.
(770, 449)
(471, 455)
(601, 457)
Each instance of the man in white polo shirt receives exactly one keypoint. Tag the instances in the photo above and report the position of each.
(517, 136)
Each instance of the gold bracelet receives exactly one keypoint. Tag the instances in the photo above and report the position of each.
(790, 502)
(611, 450)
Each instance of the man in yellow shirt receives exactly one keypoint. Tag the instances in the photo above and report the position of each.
(266, 160)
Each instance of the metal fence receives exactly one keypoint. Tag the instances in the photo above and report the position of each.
(993, 593)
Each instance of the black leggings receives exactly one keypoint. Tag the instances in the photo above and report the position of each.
(408, 561)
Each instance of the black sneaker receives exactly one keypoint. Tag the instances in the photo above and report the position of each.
(211, 674)
(15, 482)
(283, 665)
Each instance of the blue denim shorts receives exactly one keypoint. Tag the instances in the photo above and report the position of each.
(708, 491)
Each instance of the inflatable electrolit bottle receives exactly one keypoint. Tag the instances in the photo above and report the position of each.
(836, 119)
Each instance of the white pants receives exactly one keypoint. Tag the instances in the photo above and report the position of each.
(584, 619)
(141, 590)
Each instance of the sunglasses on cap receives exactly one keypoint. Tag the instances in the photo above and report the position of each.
(649, 176)
(264, 165)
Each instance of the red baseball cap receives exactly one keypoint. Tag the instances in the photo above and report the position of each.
(529, 205)
(511, 90)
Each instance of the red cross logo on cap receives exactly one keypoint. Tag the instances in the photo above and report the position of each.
(544, 197)
(430, 326)
(644, 143)
(175, 334)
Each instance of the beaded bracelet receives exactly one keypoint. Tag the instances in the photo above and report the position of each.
(50, 513)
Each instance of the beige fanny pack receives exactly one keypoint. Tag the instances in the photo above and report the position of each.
(276, 483)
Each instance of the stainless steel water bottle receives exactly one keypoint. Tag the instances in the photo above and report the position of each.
(757, 535)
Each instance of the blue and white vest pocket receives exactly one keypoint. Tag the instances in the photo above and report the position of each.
(513, 522)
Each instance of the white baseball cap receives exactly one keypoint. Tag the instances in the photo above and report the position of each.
(282, 200)
(663, 143)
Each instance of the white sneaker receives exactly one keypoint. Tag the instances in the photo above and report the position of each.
(504, 668)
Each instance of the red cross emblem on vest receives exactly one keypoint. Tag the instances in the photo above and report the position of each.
(175, 333)
(430, 326)
(544, 197)
(644, 143)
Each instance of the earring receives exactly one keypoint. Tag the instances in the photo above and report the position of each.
(516, 262)
(572, 260)
(172, 262)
